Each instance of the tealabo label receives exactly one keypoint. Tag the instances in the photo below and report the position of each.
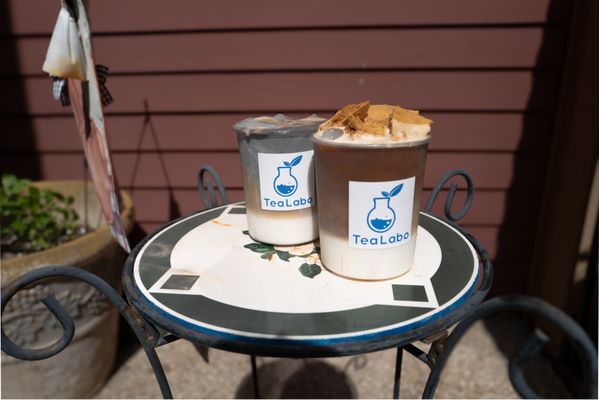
(286, 180)
(380, 213)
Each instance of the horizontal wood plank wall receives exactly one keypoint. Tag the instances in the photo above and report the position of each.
(182, 72)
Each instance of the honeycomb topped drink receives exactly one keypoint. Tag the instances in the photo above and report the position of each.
(369, 170)
(278, 178)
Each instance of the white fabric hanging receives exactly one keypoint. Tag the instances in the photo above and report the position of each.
(65, 58)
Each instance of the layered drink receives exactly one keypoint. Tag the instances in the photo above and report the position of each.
(278, 178)
(370, 163)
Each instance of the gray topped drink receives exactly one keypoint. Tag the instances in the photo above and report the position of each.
(278, 178)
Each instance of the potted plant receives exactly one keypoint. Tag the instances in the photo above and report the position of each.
(59, 223)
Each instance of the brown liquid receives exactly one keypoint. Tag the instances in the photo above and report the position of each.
(337, 165)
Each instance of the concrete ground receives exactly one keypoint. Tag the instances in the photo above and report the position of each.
(477, 369)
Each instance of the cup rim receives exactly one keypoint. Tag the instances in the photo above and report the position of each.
(412, 143)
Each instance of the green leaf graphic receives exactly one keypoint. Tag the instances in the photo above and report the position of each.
(259, 247)
(309, 270)
(284, 255)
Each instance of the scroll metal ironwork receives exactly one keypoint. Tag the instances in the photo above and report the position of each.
(443, 348)
(145, 333)
(451, 195)
(582, 343)
(208, 180)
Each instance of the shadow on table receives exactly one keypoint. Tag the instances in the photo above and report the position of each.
(300, 379)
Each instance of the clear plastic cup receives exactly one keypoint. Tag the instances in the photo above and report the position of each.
(368, 205)
(278, 178)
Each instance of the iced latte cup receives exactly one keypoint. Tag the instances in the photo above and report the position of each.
(370, 163)
(278, 178)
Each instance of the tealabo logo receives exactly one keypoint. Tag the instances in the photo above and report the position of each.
(382, 217)
(286, 180)
(380, 213)
(285, 184)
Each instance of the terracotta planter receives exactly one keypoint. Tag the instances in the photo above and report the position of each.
(85, 365)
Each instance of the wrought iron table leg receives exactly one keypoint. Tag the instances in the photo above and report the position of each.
(255, 377)
(580, 340)
(145, 333)
(531, 347)
(396, 379)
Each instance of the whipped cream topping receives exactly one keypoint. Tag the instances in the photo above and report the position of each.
(363, 123)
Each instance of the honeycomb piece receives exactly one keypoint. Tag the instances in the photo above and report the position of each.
(409, 116)
(351, 110)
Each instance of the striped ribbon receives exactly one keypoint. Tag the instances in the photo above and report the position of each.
(60, 92)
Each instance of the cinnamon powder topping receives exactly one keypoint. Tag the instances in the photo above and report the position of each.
(363, 118)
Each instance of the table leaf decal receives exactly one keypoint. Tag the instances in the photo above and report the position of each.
(310, 252)
(260, 247)
(284, 255)
(310, 270)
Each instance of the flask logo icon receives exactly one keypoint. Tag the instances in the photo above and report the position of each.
(285, 184)
(382, 217)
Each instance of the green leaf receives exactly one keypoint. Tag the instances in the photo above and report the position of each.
(259, 247)
(32, 218)
(59, 196)
(20, 186)
(34, 193)
(309, 270)
(41, 243)
(284, 255)
(8, 182)
(18, 226)
(48, 195)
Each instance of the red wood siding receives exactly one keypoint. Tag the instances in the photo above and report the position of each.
(487, 72)
(258, 51)
(114, 16)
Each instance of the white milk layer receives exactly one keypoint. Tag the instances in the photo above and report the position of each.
(283, 227)
(368, 264)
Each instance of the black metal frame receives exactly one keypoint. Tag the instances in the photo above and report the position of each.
(436, 358)
(208, 180)
(147, 335)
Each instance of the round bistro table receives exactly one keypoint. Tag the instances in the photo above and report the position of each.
(204, 279)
